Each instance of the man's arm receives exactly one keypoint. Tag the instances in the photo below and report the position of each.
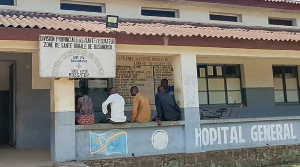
(134, 109)
(158, 108)
(105, 103)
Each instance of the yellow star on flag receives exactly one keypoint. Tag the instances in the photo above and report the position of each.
(97, 140)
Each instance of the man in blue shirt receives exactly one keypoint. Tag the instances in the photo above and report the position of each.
(168, 89)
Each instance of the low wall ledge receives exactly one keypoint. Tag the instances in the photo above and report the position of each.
(107, 126)
(241, 120)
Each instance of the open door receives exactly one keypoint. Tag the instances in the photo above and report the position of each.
(12, 109)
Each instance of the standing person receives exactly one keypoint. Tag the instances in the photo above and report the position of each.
(117, 104)
(169, 89)
(141, 111)
(166, 107)
(85, 109)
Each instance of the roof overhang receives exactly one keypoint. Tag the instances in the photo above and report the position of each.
(29, 25)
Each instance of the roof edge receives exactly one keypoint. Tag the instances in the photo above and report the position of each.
(276, 4)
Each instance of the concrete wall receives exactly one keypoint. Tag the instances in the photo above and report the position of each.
(190, 12)
(210, 135)
(32, 106)
(139, 139)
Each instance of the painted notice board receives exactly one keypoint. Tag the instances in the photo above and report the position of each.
(77, 57)
(144, 72)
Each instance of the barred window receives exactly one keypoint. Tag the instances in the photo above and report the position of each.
(286, 84)
(219, 84)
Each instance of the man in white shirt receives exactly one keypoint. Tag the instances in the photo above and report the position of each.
(117, 104)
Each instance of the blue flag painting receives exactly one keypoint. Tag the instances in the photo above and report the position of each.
(108, 143)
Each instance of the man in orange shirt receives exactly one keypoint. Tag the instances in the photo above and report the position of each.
(141, 111)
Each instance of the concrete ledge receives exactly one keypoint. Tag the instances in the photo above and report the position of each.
(249, 120)
(127, 125)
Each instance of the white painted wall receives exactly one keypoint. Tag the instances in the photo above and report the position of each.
(189, 12)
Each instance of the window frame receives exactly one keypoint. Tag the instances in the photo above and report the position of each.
(176, 12)
(224, 77)
(14, 3)
(85, 82)
(294, 22)
(282, 68)
(238, 16)
(102, 5)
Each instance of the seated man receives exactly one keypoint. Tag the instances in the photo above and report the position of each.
(167, 109)
(117, 104)
(169, 89)
(141, 111)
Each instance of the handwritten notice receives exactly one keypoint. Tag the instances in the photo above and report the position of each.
(140, 76)
(162, 72)
(77, 57)
(143, 72)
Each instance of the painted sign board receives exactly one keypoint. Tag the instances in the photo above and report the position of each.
(77, 57)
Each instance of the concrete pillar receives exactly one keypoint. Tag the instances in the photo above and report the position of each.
(186, 92)
(258, 83)
(62, 120)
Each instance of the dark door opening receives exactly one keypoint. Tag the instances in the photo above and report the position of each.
(7, 103)
(12, 93)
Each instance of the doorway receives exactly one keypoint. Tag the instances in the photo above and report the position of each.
(7, 103)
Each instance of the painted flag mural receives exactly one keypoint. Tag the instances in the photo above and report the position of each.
(108, 143)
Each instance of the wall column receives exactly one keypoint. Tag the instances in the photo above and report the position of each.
(258, 83)
(62, 120)
(186, 92)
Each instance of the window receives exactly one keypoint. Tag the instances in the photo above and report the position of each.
(98, 91)
(225, 17)
(282, 22)
(159, 12)
(76, 6)
(7, 2)
(219, 84)
(94, 85)
(286, 85)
